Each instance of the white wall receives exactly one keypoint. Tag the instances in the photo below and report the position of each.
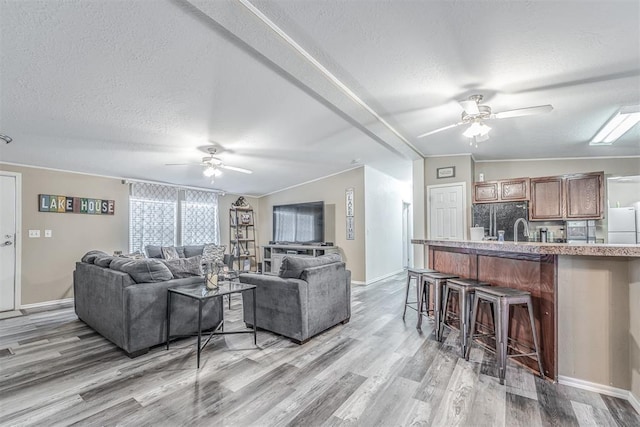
(383, 222)
(331, 190)
(419, 217)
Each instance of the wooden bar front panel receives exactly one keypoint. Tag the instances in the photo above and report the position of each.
(532, 273)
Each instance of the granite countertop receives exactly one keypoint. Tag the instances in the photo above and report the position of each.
(588, 249)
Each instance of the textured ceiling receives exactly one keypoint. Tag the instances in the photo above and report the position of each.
(121, 88)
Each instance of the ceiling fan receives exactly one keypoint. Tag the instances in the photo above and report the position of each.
(212, 165)
(475, 114)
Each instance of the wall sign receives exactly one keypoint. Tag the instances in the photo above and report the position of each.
(448, 172)
(67, 204)
(350, 210)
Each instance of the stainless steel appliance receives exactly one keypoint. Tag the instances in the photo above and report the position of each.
(583, 231)
(621, 224)
(500, 216)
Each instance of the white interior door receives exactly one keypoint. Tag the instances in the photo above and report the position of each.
(7, 242)
(447, 216)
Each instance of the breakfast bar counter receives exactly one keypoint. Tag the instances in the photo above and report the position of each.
(586, 303)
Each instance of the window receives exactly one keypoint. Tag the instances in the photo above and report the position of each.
(200, 218)
(154, 217)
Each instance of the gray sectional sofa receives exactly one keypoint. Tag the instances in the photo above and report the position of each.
(309, 296)
(126, 301)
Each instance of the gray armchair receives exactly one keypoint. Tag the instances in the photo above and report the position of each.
(309, 296)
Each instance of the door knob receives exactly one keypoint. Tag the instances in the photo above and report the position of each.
(7, 243)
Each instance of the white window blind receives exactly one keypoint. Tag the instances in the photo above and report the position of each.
(152, 215)
(154, 218)
(200, 220)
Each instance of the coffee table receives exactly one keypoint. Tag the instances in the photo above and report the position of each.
(200, 293)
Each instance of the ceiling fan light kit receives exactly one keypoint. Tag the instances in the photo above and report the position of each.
(618, 125)
(475, 114)
(212, 165)
(477, 128)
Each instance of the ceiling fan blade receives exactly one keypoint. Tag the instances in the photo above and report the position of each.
(529, 111)
(439, 130)
(233, 168)
(470, 106)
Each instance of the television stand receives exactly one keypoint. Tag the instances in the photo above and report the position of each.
(272, 254)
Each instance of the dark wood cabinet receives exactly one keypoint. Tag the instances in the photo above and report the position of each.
(547, 198)
(506, 190)
(578, 196)
(584, 196)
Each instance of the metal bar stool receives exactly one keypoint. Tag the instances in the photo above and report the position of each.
(466, 291)
(414, 273)
(502, 299)
(432, 282)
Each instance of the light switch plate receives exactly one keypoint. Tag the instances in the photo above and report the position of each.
(34, 233)
(47, 233)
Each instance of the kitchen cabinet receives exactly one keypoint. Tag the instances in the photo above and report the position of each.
(584, 196)
(485, 192)
(547, 198)
(577, 196)
(506, 190)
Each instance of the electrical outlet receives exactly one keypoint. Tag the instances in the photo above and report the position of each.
(34, 233)
(47, 233)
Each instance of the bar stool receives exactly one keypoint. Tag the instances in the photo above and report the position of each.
(414, 273)
(432, 283)
(502, 299)
(466, 291)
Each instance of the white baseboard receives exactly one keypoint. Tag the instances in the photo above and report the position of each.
(47, 303)
(386, 276)
(634, 401)
(602, 389)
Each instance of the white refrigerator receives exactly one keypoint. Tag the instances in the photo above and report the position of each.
(621, 224)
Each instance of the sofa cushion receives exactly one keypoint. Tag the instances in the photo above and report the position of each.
(184, 267)
(191, 251)
(293, 265)
(213, 254)
(169, 252)
(91, 256)
(104, 261)
(143, 270)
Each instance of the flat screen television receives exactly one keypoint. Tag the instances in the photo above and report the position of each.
(299, 223)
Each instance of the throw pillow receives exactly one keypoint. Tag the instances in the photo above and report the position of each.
(169, 252)
(184, 267)
(293, 265)
(144, 270)
(213, 254)
(91, 256)
(192, 250)
(153, 251)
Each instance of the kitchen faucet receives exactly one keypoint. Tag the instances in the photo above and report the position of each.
(515, 229)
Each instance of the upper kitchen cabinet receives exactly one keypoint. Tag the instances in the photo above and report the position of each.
(547, 198)
(514, 190)
(579, 196)
(485, 192)
(585, 196)
(506, 190)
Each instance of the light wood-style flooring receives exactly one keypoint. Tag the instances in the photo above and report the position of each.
(374, 371)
